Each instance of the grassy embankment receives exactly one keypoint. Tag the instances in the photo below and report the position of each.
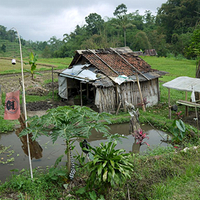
(43, 64)
(160, 174)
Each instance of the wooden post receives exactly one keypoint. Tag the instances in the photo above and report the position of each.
(52, 85)
(186, 107)
(143, 106)
(197, 118)
(169, 103)
(0, 96)
(81, 94)
(87, 91)
(118, 107)
(158, 90)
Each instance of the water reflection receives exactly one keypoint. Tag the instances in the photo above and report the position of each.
(52, 151)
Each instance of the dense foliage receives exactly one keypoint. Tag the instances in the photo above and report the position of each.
(174, 30)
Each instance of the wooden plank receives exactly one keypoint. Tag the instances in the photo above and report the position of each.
(143, 106)
(188, 103)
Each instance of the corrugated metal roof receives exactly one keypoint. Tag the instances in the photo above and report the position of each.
(184, 83)
(79, 72)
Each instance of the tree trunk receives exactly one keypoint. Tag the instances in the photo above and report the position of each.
(125, 37)
(67, 152)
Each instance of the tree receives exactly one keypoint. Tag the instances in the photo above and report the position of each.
(193, 50)
(121, 10)
(3, 32)
(95, 42)
(141, 41)
(149, 19)
(122, 22)
(94, 23)
(177, 16)
(46, 53)
(136, 19)
(69, 123)
(3, 48)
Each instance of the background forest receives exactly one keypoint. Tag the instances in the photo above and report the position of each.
(175, 30)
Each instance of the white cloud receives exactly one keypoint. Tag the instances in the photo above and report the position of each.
(39, 20)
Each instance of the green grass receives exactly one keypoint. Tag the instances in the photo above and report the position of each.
(184, 186)
(58, 62)
(175, 67)
(42, 64)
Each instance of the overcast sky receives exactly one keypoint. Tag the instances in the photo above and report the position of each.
(39, 20)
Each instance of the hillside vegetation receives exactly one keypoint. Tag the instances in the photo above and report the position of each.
(173, 30)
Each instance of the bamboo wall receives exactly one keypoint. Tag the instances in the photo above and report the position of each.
(129, 92)
(105, 99)
(108, 99)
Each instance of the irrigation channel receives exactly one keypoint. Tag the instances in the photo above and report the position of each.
(52, 151)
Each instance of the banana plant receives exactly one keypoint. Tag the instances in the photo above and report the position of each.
(32, 63)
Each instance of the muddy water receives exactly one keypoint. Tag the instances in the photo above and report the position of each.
(52, 151)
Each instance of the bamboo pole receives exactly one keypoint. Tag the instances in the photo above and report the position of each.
(87, 91)
(0, 96)
(197, 118)
(118, 107)
(169, 103)
(186, 107)
(24, 103)
(81, 94)
(52, 85)
(143, 106)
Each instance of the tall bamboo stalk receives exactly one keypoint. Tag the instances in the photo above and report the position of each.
(24, 103)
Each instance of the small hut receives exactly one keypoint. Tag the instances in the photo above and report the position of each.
(107, 78)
